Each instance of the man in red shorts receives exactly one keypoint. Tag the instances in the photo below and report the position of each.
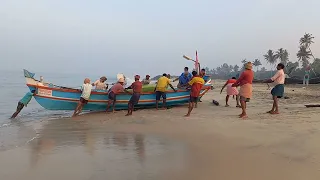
(196, 84)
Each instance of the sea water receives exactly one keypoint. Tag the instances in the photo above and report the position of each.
(13, 88)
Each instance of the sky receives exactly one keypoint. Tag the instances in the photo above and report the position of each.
(147, 36)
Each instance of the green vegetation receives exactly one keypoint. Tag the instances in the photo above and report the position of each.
(293, 68)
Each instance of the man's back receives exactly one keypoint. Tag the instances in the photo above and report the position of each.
(162, 84)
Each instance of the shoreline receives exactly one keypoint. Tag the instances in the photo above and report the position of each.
(218, 144)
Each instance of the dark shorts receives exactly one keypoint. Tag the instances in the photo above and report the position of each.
(20, 106)
(244, 99)
(278, 90)
(83, 101)
(160, 94)
(112, 96)
(134, 98)
(194, 99)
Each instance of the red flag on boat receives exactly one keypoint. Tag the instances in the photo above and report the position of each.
(196, 64)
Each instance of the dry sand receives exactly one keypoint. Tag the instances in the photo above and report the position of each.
(211, 144)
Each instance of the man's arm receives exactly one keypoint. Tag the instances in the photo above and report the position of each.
(172, 88)
(176, 79)
(238, 81)
(273, 78)
(223, 87)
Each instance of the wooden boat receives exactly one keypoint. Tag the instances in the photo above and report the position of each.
(54, 97)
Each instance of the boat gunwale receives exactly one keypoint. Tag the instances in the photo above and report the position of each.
(104, 93)
(121, 101)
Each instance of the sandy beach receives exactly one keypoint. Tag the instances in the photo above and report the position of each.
(211, 144)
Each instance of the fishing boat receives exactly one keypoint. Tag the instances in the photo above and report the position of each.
(54, 97)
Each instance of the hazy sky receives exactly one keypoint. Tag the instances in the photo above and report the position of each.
(134, 36)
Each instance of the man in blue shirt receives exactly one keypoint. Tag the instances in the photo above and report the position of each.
(184, 78)
(23, 102)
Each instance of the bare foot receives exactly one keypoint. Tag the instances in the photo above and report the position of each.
(187, 115)
(227, 105)
(128, 114)
(243, 116)
(238, 106)
(274, 112)
(270, 112)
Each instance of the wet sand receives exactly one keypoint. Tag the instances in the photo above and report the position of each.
(211, 144)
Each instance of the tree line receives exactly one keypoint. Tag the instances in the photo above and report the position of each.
(293, 68)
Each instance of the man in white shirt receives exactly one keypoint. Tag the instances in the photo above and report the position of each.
(277, 92)
(101, 83)
(84, 98)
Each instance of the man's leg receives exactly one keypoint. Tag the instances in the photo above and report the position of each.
(128, 109)
(113, 106)
(18, 110)
(196, 103)
(80, 108)
(243, 106)
(275, 108)
(227, 99)
(238, 101)
(75, 113)
(158, 95)
(190, 108)
(109, 104)
(164, 99)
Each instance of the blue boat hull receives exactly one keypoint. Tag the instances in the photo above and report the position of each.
(53, 98)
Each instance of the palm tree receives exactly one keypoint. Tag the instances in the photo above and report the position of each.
(304, 55)
(257, 63)
(306, 40)
(235, 68)
(270, 57)
(244, 61)
(283, 55)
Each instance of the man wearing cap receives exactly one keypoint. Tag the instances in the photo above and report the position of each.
(100, 84)
(147, 80)
(245, 83)
(161, 89)
(136, 87)
(113, 92)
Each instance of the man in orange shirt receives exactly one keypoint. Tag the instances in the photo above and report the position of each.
(196, 84)
(245, 83)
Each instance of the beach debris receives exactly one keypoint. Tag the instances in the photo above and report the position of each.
(215, 102)
(286, 97)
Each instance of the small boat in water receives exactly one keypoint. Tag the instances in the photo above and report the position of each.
(54, 97)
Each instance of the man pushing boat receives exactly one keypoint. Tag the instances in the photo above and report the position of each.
(84, 98)
(23, 102)
(113, 92)
(161, 89)
(136, 87)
